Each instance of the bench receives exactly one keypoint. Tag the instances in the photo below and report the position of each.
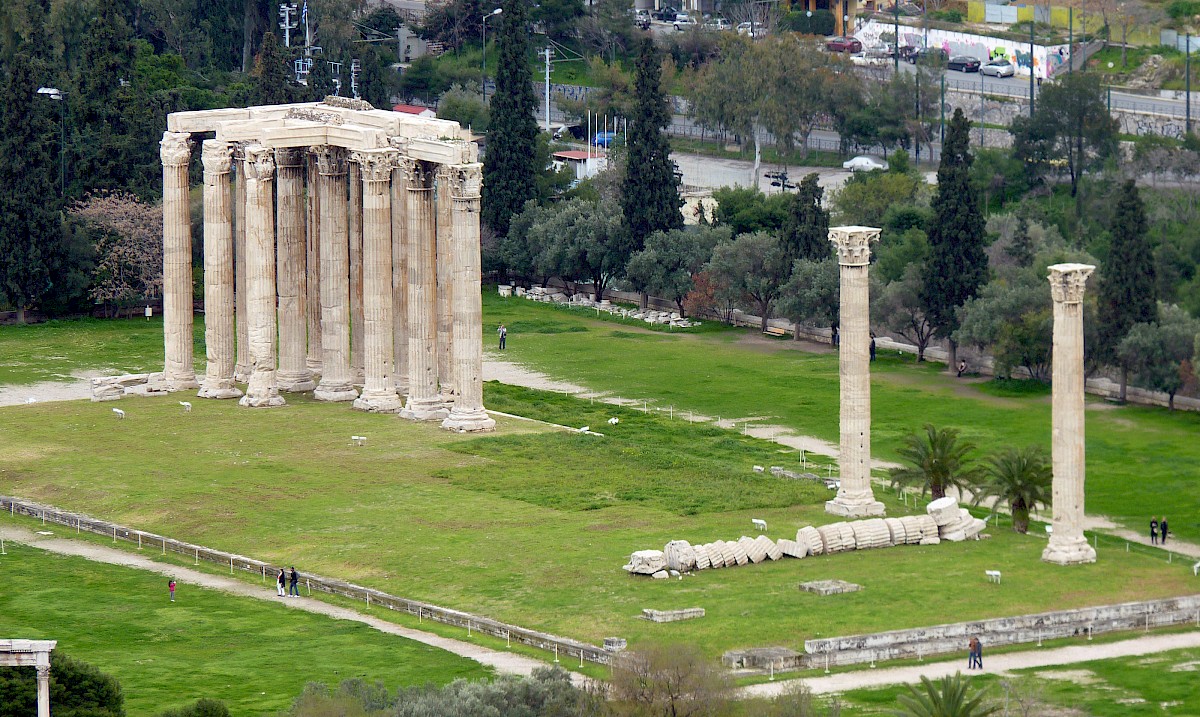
(992, 576)
(775, 331)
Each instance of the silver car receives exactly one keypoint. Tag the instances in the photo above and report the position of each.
(998, 68)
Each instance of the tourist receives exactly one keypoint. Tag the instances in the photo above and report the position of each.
(971, 653)
(962, 367)
(833, 335)
(294, 582)
(978, 654)
(1153, 530)
(872, 345)
(1162, 530)
(502, 332)
(171, 588)
(281, 582)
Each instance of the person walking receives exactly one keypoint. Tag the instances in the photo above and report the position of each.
(171, 588)
(294, 583)
(971, 653)
(502, 332)
(872, 345)
(1162, 530)
(281, 582)
(1153, 531)
(978, 654)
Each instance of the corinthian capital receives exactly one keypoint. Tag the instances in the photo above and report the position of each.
(375, 164)
(216, 156)
(466, 181)
(1068, 281)
(331, 161)
(289, 157)
(175, 149)
(260, 162)
(853, 244)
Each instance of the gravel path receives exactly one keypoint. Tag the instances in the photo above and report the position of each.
(504, 662)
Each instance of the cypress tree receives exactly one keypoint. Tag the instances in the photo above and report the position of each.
(957, 264)
(650, 197)
(1128, 293)
(274, 81)
(320, 80)
(805, 232)
(510, 166)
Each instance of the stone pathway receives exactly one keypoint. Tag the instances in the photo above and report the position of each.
(503, 662)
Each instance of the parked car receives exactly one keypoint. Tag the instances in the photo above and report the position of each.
(864, 59)
(864, 164)
(718, 23)
(998, 68)
(929, 54)
(684, 21)
(666, 14)
(642, 21)
(603, 139)
(963, 63)
(879, 50)
(907, 52)
(747, 28)
(843, 44)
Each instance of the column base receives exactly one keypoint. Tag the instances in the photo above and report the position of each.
(183, 382)
(335, 392)
(469, 421)
(299, 382)
(241, 373)
(854, 507)
(314, 365)
(220, 389)
(268, 401)
(1068, 551)
(379, 402)
(425, 409)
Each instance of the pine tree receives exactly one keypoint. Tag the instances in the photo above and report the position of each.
(805, 233)
(320, 80)
(650, 198)
(957, 264)
(510, 166)
(1128, 292)
(274, 82)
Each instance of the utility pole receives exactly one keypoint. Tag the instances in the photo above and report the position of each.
(982, 112)
(1187, 73)
(355, 67)
(1070, 37)
(896, 34)
(547, 53)
(1032, 20)
(307, 31)
(287, 22)
(942, 123)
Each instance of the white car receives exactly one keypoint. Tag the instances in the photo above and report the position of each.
(745, 29)
(718, 23)
(862, 59)
(998, 68)
(864, 164)
(684, 21)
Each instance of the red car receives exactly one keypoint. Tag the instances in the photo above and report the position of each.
(843, 44)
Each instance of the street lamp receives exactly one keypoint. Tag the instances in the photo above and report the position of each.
(487, 17)
(59, 96)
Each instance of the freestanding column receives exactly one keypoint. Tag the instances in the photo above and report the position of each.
(855, 498)
(400, 271)
(467, 413)
(1067, 545)
(294, 374)
(218, 272)
(336, 380)
(178, 372)
(379, 390)
(241, 369)
(356, 271)
(43, 690)
(313, 269)
(445, 272)
(262, 391)
(423, 404)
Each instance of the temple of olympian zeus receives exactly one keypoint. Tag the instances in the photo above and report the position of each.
(341, 249)
(855, 499)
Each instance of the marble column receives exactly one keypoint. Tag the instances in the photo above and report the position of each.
(218, 272)
(312, 274)
(400, 273)
(855, 498)
(379, 389)
(261, 391)
(241, 367)
(1068, 545)
(178, 371)
(294, 374)
(337, 383)
(467, 414)
(424, 403)
(445, 272)
(43, 690)
(356, 271)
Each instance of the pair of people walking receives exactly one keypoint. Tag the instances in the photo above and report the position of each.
(284, 579)
(1158, 531)
(975, 654)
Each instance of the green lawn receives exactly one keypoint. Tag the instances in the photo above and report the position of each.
(253, 655)
(56, 350)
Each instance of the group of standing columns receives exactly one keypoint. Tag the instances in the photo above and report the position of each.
(312, 284)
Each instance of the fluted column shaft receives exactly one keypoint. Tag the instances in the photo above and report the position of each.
(43, 690)
(467, 413)
(262, 391)
(336, 379)
(855, 497)
(400, 274)
(294, 374)
(178, 371)
(1068, 545)
(313, 269)
(355, 217)
(379, 390)
(218, 272)
(241, 368)
(423, 403)
(445, 273)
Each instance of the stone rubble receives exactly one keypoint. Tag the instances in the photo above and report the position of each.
(555, 295)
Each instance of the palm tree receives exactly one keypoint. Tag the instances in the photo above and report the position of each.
(937, 460)
(1020, 477)
(945, 698)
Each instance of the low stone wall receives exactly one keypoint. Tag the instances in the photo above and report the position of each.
(561, 646)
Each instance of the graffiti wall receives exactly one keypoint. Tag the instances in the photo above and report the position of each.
(1046, 60)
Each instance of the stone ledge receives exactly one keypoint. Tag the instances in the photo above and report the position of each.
(690, 613)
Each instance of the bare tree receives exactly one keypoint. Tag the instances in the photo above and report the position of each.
(669, 681)
(129, 248)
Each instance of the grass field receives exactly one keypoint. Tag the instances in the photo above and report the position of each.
(253, 655)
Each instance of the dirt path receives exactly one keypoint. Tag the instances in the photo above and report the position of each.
(45, 391)
(998, 664)
(504, 662)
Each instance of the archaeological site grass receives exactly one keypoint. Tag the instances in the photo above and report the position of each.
(253, 655)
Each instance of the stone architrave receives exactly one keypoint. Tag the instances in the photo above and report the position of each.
(855, 498)
(262, 391)
(241, 367)
(468, 413)
(400, 269)
(294, 374)
(218, 272)
(424, 403)
(337, 382)
(355, 217)
(35, 654)
(313, 273)
(445, 274)
(1068, 545)
(379, 390)
(179, 374)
